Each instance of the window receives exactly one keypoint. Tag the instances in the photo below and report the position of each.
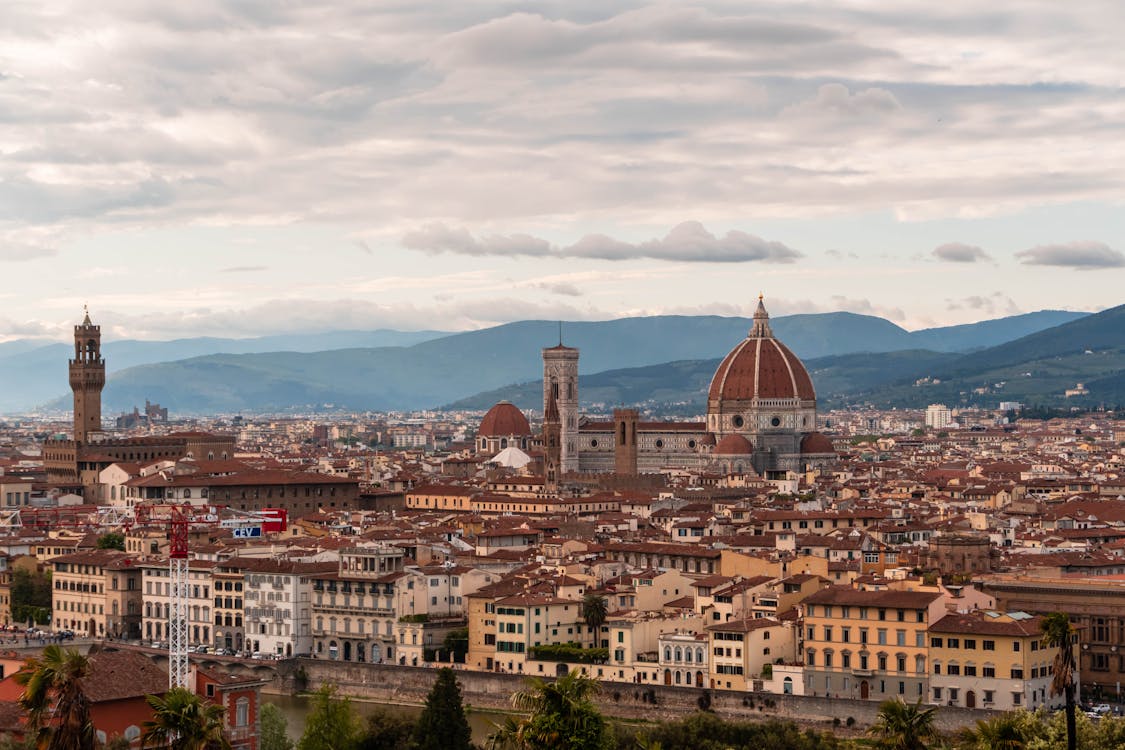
(988, 645)
(953, 669)
(937, 694)
(970, 643)
(953, 643)
(970, 670)
(988, 671)
(935, 643)
(242, 712)
(1015, 645)
(1017, 673)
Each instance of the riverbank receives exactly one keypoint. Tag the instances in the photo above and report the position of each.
(490, 692)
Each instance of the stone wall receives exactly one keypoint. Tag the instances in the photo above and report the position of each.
(487, 690)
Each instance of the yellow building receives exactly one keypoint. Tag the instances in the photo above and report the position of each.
(991, 660)
(524, 621)
(740, 650)
(868, 645)
(97, 594)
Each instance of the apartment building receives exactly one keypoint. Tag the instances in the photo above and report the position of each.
(992, 660)
(740, 650)
(353, 607)
(97, 594)
(277, 604)
(157, 601)
(868, 644)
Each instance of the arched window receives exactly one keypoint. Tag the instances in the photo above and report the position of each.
(667, 653)
(687, 655)
(679, 654)
(242, 712)
(699, 655)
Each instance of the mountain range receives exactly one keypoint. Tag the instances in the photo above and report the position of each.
(634, 359)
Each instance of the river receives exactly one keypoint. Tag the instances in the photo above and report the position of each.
(296, 709)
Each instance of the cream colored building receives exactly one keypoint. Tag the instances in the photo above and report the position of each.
(741, 649)
(96, 594)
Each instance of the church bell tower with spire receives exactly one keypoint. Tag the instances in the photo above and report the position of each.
(87, 378)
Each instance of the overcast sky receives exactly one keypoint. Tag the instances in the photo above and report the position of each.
(242, 168)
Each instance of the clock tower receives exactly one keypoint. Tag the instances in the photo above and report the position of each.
(87, 378)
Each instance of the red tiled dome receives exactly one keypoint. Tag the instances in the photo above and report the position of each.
(733, 445)
(504, 420)
(814, 442)
(761, 367)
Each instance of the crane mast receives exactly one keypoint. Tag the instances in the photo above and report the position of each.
(178, 675)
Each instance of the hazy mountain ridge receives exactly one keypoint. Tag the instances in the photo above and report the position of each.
(447, 369)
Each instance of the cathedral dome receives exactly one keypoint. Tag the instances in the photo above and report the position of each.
(761, 367)
(504, 420)
(733, 445)
(815, 442)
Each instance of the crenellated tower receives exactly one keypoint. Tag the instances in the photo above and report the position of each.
(87, 378)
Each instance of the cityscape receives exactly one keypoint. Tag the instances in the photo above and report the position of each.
(597, 376)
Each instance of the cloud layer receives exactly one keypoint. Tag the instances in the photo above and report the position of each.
(1081, 255)
(686, 242)
(958, 252)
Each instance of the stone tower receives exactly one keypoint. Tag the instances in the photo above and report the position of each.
(560, 381)
(625, 442)
(87, 378)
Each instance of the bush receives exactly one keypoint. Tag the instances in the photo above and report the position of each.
(570, 652)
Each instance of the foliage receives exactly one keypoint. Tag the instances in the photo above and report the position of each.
(1058, 633)
(561, 716)
(1039, 730)
(31, 595)
(442, 725)
(387, 731)
(594, 611)
(181, 720)
(414, 618)
(457, 642)
(58, 711)
(904, 726)
(571, 652)
(112, 540)
(332, 723)
(706, 731)
(274, 729)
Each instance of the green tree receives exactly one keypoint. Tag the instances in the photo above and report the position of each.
(31, 595)
(561, 716)
(112, 540)
(181, 720)
(387, 731)
(58, 711)
(904, 726)
(706, 731)
(274, 729)
(442, 725)
(1059, 634)
(332, 723)
(594, 611)
(456, 642)
(1004, 732)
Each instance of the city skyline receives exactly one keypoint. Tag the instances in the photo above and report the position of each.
(242, 170)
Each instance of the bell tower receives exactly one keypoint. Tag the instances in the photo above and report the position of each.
(560, 382)
(87, 378)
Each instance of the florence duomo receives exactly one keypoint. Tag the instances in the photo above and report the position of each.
(761, 418)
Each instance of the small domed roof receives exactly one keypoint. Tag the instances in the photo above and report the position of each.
(761, 367)
(815, 442)
(504, 420)
(733, 445)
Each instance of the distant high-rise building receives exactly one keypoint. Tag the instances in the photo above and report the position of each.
(87, 378)
(938, 416)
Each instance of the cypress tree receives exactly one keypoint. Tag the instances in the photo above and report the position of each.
(442, 725)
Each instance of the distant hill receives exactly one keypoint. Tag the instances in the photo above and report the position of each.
(1034, 369)
(35, 372)
(988, 333)
(450, 368)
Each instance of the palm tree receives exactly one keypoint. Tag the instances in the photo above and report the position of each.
(181, 720)
(1058, 633)
(58, 711)
(904, 726)
(561, 716)
(999, 733)
(594, 611)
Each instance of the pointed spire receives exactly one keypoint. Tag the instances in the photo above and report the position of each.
(86, 320)
(761, 328)
(560, 333)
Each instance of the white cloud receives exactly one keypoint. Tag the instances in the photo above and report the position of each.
(959, 252)
(1081, 255)
(687, 242)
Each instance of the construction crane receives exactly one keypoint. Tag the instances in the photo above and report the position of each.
(179, 519)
